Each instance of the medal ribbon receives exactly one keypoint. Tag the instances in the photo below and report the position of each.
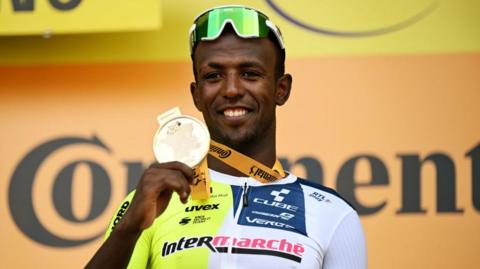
(237, 160)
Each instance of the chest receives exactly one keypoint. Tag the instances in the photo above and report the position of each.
(237, 227)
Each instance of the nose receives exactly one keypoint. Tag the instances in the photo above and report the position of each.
(233, 87)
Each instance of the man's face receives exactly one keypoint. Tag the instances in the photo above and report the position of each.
(236, 88)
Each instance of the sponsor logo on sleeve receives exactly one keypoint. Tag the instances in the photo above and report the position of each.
(319, 197)
(120, 213)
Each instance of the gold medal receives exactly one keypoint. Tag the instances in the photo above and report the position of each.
(180, 138)
(184, 139)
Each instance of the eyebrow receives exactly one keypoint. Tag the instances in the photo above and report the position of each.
(250, 64)
(245, 64)
(215, 65)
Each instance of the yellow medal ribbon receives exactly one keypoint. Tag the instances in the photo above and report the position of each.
(237, 160)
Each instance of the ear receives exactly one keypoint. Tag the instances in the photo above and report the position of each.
(194, 92)
(284, 85)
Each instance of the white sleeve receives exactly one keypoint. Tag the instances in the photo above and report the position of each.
(347, 249)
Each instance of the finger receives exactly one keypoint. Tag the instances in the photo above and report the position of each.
(175, 180)
(154, 180)
(185, 169)
(163, 200)
(180, 185)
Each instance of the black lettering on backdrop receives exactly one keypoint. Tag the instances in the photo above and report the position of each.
(62, 191)
(300, 22)
(23, 5)
(474, 154)
(411, 187)
(134, 172)
(346, 183)
(29, 5)
(21, 184)
(65, 4)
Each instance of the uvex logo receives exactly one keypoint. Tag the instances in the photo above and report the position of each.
(201, 207)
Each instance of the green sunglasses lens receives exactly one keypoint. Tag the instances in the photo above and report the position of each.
(247, 23)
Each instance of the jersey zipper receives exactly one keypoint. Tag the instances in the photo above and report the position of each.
(229, 261)
(244, 201)
(245, 195)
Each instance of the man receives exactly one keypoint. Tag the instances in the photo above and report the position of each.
(238, 59)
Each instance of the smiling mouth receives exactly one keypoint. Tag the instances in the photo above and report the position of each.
(235, 115)
(235, 112)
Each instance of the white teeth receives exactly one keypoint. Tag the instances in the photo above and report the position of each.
(234, 112)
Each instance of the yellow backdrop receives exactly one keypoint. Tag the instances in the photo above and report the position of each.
(27, 17)
(389, 119)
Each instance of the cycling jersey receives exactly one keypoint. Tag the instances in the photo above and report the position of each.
(291, 223)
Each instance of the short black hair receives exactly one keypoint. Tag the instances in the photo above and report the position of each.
(280, 64)
(280, 59)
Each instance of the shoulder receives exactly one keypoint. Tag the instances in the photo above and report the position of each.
(326, 211)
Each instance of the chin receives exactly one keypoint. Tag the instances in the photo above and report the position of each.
(237, 139)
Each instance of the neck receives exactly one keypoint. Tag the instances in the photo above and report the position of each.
(262, 150)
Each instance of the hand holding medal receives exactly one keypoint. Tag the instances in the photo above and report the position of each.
(184, 139)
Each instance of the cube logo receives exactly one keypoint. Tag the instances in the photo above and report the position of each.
(278, 195)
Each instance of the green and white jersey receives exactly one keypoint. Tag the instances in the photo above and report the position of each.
(291, 223)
